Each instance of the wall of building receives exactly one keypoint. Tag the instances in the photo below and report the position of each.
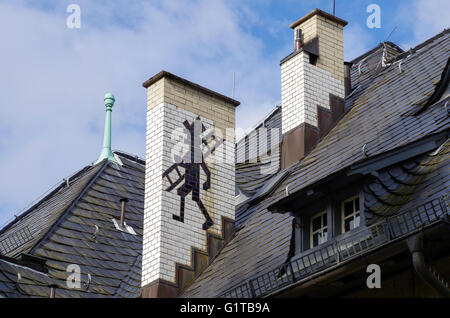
(304, 87)
(331, 44)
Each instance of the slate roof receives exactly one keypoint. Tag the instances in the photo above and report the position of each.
(406, 185)
(31, 283)
(380, 115)
(74, 225)
(368, 64)
(253, 167)
(20, 235)
(364, 69)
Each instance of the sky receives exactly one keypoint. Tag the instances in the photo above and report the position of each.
(53, 78)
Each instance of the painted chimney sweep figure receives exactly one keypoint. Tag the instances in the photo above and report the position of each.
(191, 176)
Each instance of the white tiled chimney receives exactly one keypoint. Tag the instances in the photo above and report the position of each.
(189, 203)
(309, 76)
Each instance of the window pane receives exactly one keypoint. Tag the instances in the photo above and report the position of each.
(316, 224)
(316, 239)
(324, 236)
(357, 220)
(347, 224)
(348, 208)
(318, 229)
(351, 223)
(351, 218)
(319, 238)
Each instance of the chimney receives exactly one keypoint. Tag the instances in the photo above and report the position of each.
(189, 182)
(312, 84)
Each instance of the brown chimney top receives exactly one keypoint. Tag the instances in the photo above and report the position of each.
(165, 74)
(321, 13)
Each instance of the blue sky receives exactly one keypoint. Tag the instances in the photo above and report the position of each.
(53, 78)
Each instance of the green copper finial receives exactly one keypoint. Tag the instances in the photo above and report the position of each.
(106, 151)
(109, 100)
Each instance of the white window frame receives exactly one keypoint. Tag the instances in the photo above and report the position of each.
(353, 215)
(321, 229)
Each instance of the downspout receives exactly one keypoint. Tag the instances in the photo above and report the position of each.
(415, 245)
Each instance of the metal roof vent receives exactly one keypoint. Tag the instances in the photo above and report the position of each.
(122, 225)
(298, 40)
(122, 213)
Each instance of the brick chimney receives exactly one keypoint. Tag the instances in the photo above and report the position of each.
(189, 182)
(312, 84)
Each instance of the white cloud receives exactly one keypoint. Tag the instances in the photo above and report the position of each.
(54, 79)
(357, 41)
(432, 16)
(425, 18)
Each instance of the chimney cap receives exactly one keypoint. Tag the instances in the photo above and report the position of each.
(165, 74)
(321, 13)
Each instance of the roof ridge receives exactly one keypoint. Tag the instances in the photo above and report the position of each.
(48, 194)
(421, 45)
(375, 49)
(399, 57)
(83, 191)
(122, 283)
(404, 52)
(129, 156)
(266, 117)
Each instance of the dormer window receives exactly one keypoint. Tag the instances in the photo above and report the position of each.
(324, 221)
(350, 214)
(319, 229)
